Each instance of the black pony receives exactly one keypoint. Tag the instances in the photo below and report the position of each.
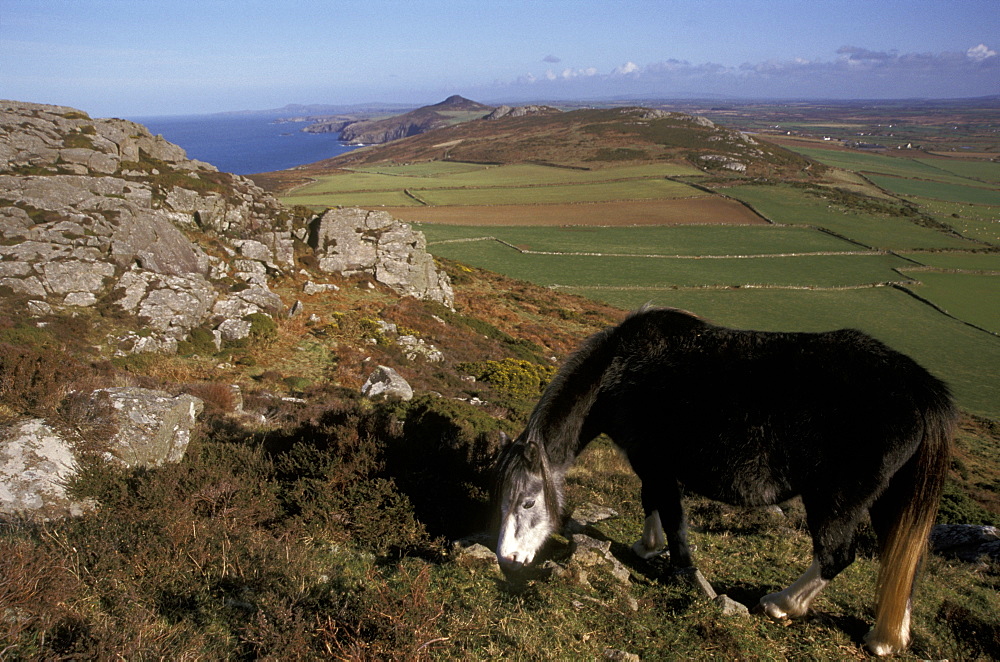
(750, 418)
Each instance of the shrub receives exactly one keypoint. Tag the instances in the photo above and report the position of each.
(263, 328)
(957, 507)
(201, 342)
(332, 478)
(444, 460)
(35, 381)
(513, 377)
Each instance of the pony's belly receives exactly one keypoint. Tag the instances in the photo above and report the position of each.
(744, 486)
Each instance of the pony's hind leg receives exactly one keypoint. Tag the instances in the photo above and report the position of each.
(794, 601)
(833, 550)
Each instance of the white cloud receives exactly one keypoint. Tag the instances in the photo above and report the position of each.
(626, 69)
(980, 53)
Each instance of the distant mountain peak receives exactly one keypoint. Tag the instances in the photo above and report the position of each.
(457, 101)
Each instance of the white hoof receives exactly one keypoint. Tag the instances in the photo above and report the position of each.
(644, 552)
(778, 607)
(879, 647)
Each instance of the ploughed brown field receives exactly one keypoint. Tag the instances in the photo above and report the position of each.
(713, 210)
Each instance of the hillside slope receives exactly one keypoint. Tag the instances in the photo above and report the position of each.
(309, 522)
(587, 138)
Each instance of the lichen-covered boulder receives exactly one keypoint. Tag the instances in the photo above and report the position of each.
(36, 463)
(388, 383)
(154, 427)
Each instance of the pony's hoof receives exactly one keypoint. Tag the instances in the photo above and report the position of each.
(879, 647)
(644, 552)
(776, 607)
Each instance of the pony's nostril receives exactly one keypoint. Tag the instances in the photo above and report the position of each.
(509, 565)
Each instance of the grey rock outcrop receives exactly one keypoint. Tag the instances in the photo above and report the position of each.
(520, 111)
(357, 241)
(100, 210)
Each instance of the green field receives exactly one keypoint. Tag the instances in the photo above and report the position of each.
(939, 170)
(634, 189)
(947, 191)
(807, 271)
(985, 171)
(785, 204)
(974, 298)
(692, 240)
(471, 184)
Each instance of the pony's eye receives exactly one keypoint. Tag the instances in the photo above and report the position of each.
(530, 503)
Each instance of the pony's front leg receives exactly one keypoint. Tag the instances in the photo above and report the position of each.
(665, 523)
(833, 550)
(653, 539)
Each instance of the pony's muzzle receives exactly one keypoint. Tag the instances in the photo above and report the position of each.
(511, 569)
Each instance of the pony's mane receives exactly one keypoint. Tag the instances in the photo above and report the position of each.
(558, 417)
(556, 421)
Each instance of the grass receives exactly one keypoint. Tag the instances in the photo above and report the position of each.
(308, 536)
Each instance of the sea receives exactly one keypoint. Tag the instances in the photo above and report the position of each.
(245, 144)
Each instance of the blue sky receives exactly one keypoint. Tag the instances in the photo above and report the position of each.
(131, 58)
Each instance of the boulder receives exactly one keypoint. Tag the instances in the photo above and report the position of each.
(154, 427)
(36, 462)
(356, 241)
(966, 542)
(387, 383)
(730, 607)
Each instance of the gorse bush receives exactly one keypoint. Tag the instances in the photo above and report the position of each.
(513, 377)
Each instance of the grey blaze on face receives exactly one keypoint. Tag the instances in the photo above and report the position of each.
(525, 522)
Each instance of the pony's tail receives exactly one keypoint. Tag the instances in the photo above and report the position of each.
(914, 494)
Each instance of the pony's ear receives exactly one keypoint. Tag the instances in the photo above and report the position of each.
(532, 453)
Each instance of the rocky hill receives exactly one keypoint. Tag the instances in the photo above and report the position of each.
(583, 138)
(368, 132)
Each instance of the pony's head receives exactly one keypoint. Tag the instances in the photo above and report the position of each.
(529, 501)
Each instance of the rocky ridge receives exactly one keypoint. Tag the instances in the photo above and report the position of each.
(99, 211)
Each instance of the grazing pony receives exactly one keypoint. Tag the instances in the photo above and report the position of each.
(750, 418)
